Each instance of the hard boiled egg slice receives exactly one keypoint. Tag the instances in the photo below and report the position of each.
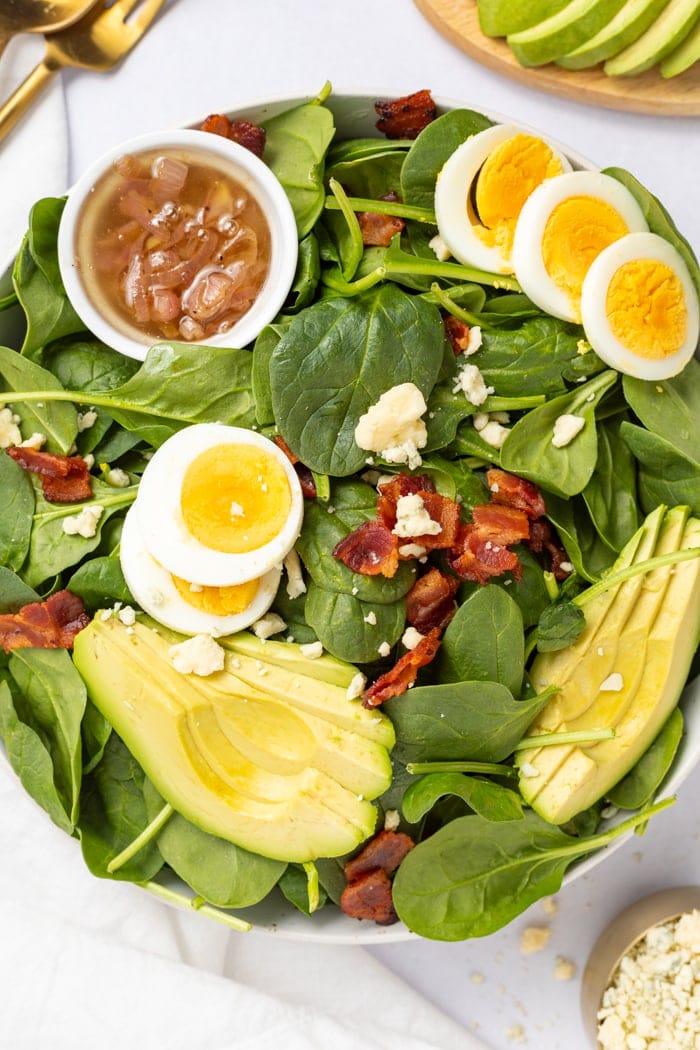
(482, 187)
(190, 607)
(219, 505)
(563, 226)
(640, 308)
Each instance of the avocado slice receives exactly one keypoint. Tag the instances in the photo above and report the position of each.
(686, 54)
(628, 24)
(641, 658)
(561, 33)
(660, 39)
(501, 17)
(236, 759)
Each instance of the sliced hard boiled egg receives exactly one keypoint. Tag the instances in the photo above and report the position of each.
(563, 226)
(219, 505)
(482, 187)
(190, 607)
(639, 307)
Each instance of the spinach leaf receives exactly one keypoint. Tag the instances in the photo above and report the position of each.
(455, 478)
(611, 493)
(431, 149)
(307, 276)
(217, 870)
(665, 475)
(484, 642)
(530, 592)
(488, 799)
(369, 172)
(14, 593)
(670, 408)
(294, 885)
(646, 777)
(17, 513)
(58, 421)
(292, 611)
(474, 876)
(95, 731)
(295, 149)
(461, 720)
(51, 701)
(113, 813)
(31, 760)
(100, 582)
(323, 529)
(51, 550)
(260, 376)
(528, 450)
(331, 877)
(87, 364)
(559, 626)
(344, 230)
(336, 359)
(586, 551)
(658, 219)
(351, 629)
(531, 359)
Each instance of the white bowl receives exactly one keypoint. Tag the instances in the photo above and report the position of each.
(218, 152)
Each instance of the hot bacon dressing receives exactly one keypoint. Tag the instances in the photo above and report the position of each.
(173, 247)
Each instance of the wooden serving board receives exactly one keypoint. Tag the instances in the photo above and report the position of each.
(458, 21)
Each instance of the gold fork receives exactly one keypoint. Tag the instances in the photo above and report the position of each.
(98, 42)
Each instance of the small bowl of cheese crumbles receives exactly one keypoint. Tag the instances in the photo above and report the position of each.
(641, 985)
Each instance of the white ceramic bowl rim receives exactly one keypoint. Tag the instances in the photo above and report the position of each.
(258, 179)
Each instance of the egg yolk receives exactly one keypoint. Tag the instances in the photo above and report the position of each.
(646, 310)
(235, 498)
(507, 178)
(217, 601)
(576, 232)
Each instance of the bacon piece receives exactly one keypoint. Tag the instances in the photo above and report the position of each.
(405, 117)
(511, 491)
(385, 851)
(500, 525)
(378, 230)
(441, 509)
(64, 479)
(51, 624)
(369, 897)
(403, 674)
(400, 485)
(371, 549)
(542, 539)
(306, 478)
(241, 131)
(430, 603)
(478, 558)
(457, 332)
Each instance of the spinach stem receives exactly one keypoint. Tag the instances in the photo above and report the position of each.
(362, 284)
(402, 211)
(406, 263)
(575, 736)
(496, 768)
(551, 585)
(636, 569)
(193, 904)
(445, 300)
(141, 840)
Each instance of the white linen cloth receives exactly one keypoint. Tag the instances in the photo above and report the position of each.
(86, 962)
(34, 157)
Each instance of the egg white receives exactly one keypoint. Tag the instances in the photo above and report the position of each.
(153, 589)
(528, 263)
(161, 521)
(452, 190)
(597, 325)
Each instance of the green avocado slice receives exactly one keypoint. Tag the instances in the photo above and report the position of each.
(660, 39)
(683, 56)
(628, 24)
(236, 759)
(559, 34)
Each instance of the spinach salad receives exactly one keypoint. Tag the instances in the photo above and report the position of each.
(358, 321)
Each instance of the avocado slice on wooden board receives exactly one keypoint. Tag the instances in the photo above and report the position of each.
(654, 648)
(628, 24)
(666, 33)
(686, 54)
(562, 32)
(501, 17)
(236, 759)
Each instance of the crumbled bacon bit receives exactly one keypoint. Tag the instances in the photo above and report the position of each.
(542, 539)
(441, 509)
(64, 479)
(378, 230)
(478, 559)
(430, 603)
(51, 624)
(511, 491)
(368, 892)
(371, 549)
(399, 485)
(457, 332)
(403, 674)
(241, 131)
(405, 117)
(500, 525)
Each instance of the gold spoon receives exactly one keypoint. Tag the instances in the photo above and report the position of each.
(38, 16)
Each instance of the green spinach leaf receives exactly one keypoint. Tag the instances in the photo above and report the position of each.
(431, 149)
(665, 475)
(100, 582)
(490, 800)
(351, 629)
(484, 641)
(295, 149)
(670, 408)
(646, 777)
(17, 513)
(611, 493)
(58, 421)
(14, 593)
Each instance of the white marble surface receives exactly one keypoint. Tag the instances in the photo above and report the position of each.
(207, 55)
